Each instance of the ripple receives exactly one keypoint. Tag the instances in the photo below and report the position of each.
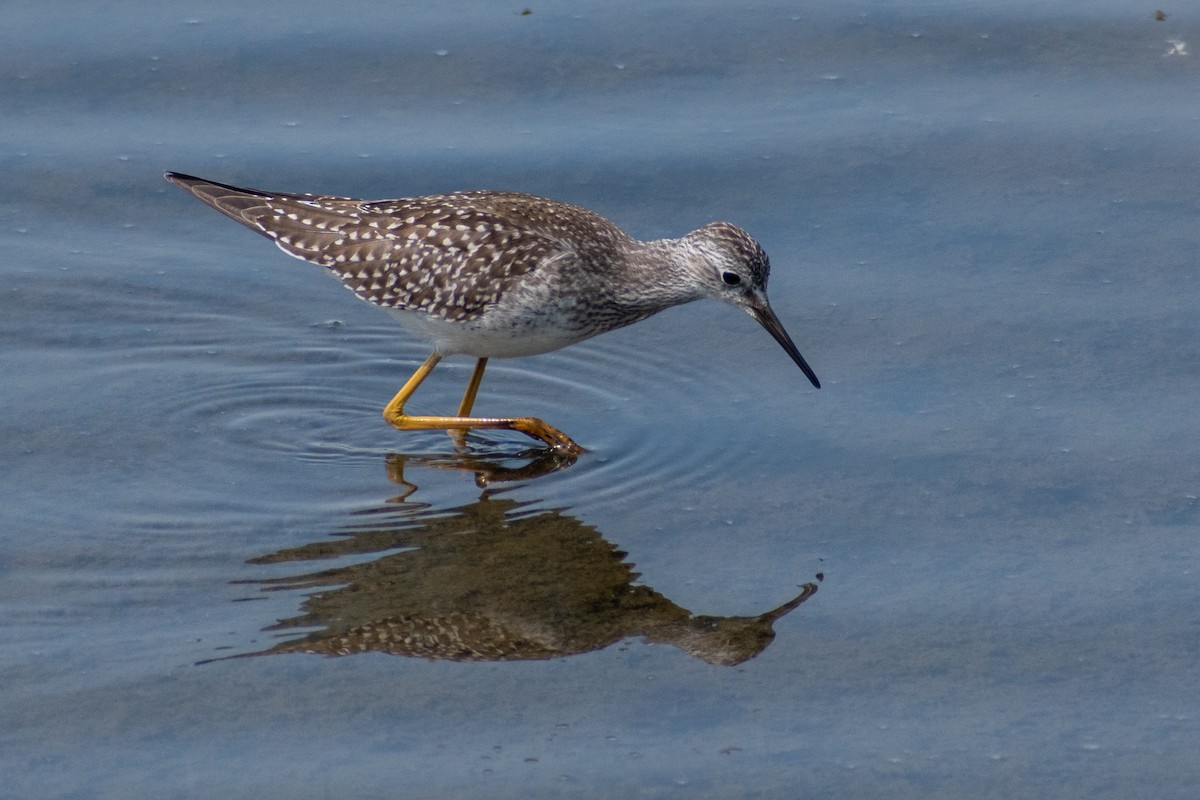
(647, 418)
(290, 406)
(274, 415)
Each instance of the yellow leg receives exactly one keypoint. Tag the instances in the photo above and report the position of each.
(468, 401)
(531, 426)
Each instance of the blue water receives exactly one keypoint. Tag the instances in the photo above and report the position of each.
(981, 219)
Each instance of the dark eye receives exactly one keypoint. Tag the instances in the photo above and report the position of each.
(731, 278)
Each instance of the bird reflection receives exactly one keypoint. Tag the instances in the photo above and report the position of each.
(489, 468)
(495, 580)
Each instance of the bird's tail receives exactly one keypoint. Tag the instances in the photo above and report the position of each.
(247, 206)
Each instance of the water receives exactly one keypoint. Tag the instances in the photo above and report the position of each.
(981, 220)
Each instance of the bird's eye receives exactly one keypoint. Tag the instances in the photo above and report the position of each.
(731, 278)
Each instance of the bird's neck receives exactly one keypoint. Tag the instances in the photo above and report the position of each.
(666, 282)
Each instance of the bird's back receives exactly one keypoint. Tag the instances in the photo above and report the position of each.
(450, 256)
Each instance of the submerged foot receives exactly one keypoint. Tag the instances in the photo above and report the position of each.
(538, 429)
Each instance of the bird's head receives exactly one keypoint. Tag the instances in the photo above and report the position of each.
(730, 266)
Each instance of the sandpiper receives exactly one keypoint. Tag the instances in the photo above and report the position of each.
(501, 274)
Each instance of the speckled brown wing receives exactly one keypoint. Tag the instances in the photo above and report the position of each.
(456, 636)
(451, 256)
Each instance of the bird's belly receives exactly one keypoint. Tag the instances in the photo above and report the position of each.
(488, 337)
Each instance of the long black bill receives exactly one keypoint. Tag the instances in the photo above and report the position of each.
(807, 591)
(766, 317)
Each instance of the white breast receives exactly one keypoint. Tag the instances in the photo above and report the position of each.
(499, 339)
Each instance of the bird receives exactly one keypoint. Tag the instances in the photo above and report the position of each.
(495, 274)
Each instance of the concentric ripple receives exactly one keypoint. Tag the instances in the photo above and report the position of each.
(646, 417)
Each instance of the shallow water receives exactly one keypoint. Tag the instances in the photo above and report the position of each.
(981, 219)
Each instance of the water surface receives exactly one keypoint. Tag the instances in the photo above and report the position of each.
(981, 219)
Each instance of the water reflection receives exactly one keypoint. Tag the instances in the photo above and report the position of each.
(493, 580)
(489, 468)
